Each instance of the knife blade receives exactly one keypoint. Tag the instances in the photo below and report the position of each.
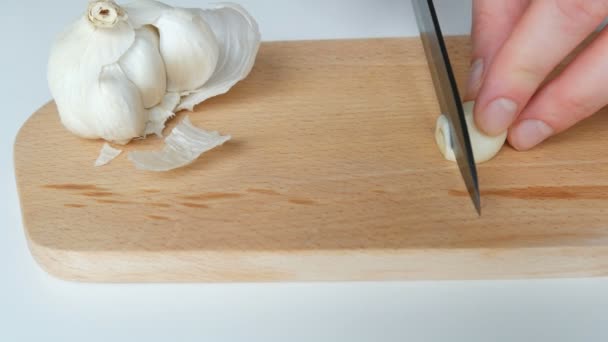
(447, 93)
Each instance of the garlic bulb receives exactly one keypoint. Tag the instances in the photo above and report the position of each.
(484, 147)
(120, 72)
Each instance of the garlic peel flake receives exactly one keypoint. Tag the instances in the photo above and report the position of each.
(484, 147)
(106, 155)
(182, 147)
(159, 115)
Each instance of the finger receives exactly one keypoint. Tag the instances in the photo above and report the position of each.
(546, 33)
(574, 95)
(493, 22)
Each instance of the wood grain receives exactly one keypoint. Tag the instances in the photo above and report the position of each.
(333, 174)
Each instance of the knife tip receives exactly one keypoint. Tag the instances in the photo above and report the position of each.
(476, 196)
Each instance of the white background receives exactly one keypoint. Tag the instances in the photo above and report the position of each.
(36, 307)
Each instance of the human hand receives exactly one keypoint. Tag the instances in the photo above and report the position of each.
(516, 44)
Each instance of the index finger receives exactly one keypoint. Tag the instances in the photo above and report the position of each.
(493, 22)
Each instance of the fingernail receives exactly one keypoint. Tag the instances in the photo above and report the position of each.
(498, 116)
(474, 82)
(529, 133)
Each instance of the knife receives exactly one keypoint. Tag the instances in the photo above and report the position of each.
(447, 94)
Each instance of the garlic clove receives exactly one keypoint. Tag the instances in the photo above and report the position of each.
(239, 40)
(484, 147)
(182, 147)
(110, 108)
(187, 44)
(234, 30)
(106, 155)
(144, 66)
(189, 49)
(116, 107)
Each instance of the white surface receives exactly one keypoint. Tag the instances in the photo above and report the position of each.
(36, 307)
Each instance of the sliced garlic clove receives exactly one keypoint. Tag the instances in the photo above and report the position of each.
(144, 66)
(182, 147)
(106, 155)
(484, 147)
(443, 138)
(239, 40)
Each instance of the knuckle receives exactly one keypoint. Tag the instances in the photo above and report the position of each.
(578, 106)
(483, 20)
(527, 75)
(571, 109)
(577, 11)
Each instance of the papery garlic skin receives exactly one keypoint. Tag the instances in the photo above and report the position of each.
(189, 49)
(484, 147)
(145, 67)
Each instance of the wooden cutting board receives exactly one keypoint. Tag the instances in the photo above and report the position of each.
(333, 174)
